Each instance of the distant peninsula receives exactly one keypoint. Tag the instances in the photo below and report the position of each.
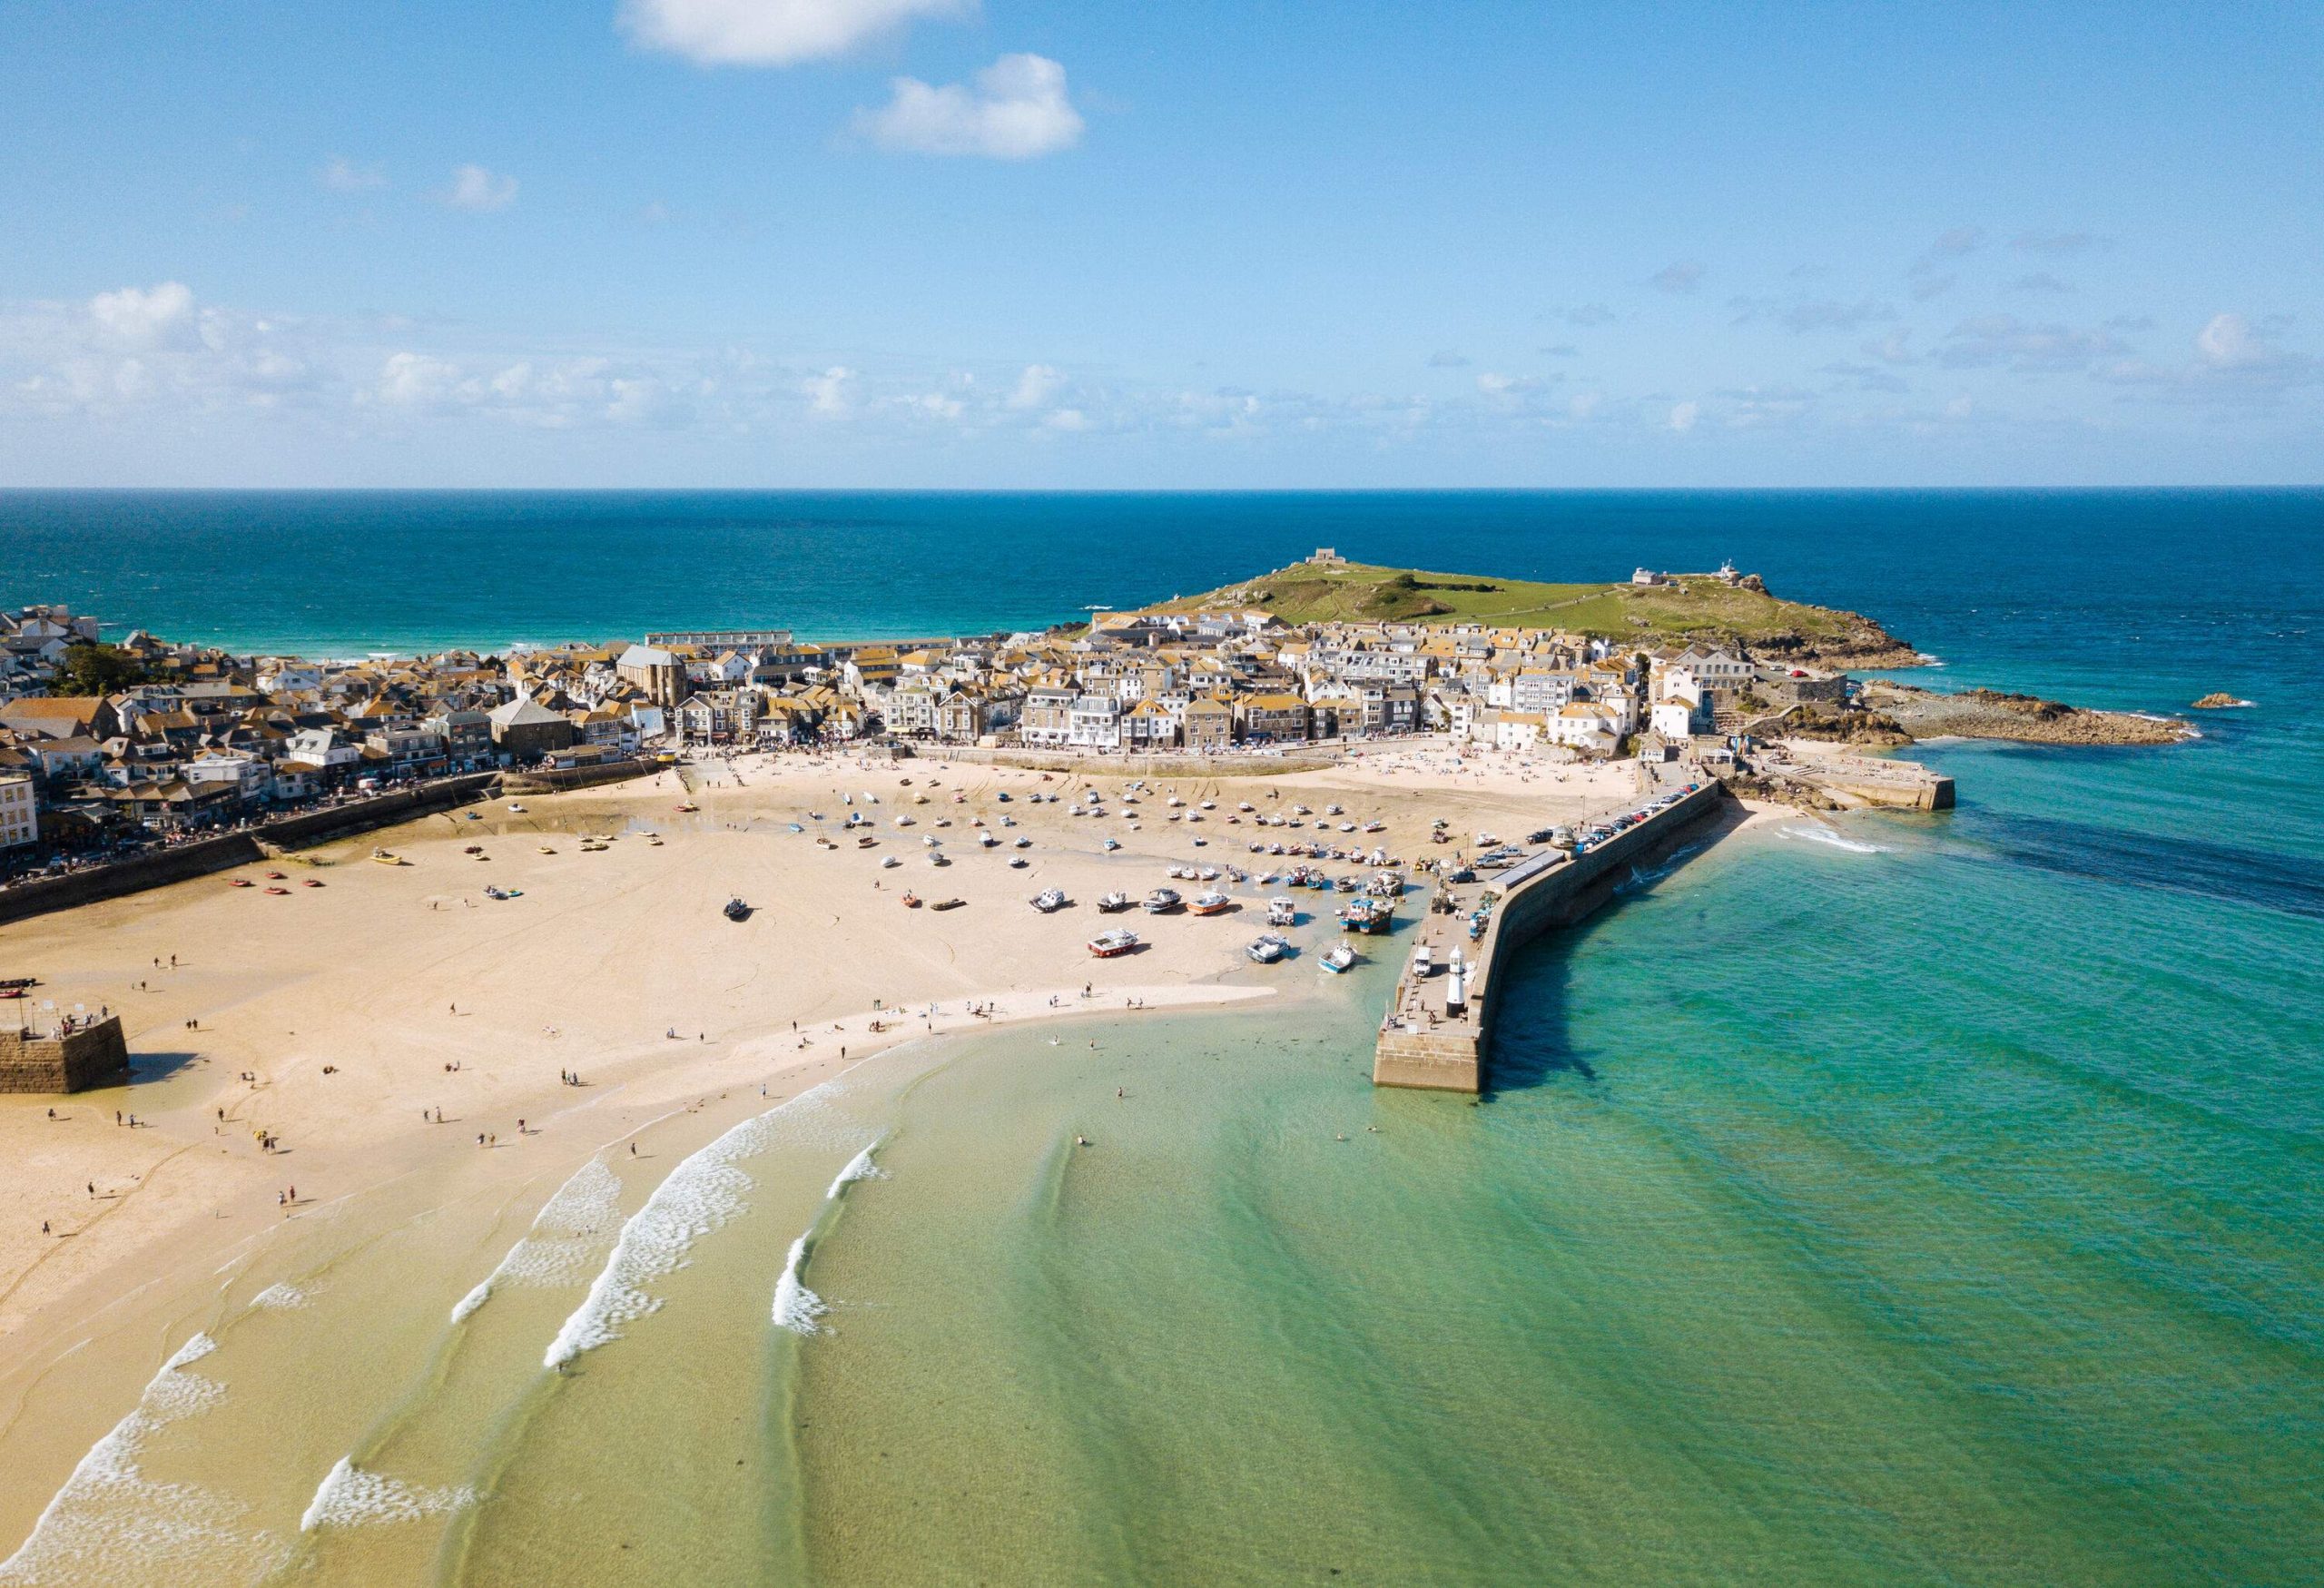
(1649, 611)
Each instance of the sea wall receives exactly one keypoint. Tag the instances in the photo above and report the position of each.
(1550, 890)
(205, 856)
(1175, 764)
(97, 1055)
(556, 781)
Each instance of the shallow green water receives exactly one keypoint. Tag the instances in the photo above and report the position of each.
(1772, 1260)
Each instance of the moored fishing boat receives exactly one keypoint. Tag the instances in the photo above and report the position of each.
(1283, 911)
(1268, 947)
(1368, 916)
(1211, 903)
(1162, 901)
(1049, 901)
(1114, 903)
(1108, 945)
(1339, 958)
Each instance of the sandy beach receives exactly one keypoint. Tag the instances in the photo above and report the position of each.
(310, 1040)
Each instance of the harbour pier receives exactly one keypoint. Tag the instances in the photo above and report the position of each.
(1438, 1031)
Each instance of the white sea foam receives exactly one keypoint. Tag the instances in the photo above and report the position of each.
(701, 1195)
(1816, 832)
(111, 1523)
(796, 1307)
(859, 1168)
(275, 1297)
(350, 1497)
(568, 1236)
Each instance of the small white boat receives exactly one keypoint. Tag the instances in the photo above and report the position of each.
(1017, 863)
(1282, 911)
(515, 808)
(1113, 843)
(988, 841)
(1107, 945)
(1211, 903)
(1267, 948)
(1161, 901)
(1049, 901)
(936, 857)
(1113, 903)
(1024, 842)
(1338, 960)
(888, 861)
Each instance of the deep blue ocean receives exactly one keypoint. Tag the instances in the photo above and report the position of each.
(1886, 1199)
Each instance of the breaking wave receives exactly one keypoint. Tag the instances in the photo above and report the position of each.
(111, 1522)
(350, 1497)
(701, 1195)
(566, 1238)
(796, 1307)
(859, 1168)
(1817, 833)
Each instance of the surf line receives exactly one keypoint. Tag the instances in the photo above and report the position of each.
(796, 1307)
(703, 1194)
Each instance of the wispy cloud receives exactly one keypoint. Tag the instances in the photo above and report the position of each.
(2059, 243)
(1446, 358)
(342, 176)
(480, 191)
(1017, 109)
(1680, 276)
(2040, 281)
(1958, 243)
(2004, 342)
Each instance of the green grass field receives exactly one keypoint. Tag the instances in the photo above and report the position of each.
(1359, 593)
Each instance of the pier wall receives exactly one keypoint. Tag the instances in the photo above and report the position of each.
(1454, 1055)
(95, 1056)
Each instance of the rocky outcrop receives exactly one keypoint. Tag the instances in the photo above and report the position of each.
(2218, 702)
(1869, 729)
(1858, 643)
(1990, 713)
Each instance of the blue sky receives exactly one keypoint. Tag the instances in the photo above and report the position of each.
(939, 243)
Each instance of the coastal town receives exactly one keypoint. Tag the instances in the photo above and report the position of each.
(109, 748)
(303, 953)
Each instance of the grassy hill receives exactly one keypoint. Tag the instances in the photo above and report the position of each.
(1695, 607)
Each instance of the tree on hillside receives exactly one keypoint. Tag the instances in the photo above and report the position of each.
(98, 669)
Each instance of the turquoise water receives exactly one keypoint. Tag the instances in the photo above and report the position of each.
(1896, 1200)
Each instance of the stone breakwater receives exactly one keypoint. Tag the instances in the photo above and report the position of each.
(1989, 713)
(1427, 1045)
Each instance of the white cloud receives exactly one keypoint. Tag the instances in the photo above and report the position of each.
(770, 32)
(2226, 342)
(1683, 416)
(145, 318)
(827, 392)
(342, 175)
(417, 380)
(1037, 386)
(1017, 109)
(1068, 419)
(475, 189)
